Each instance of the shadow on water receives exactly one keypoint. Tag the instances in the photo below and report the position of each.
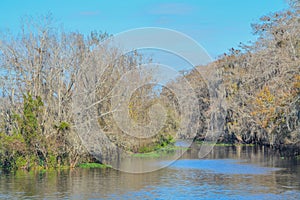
(238, 172)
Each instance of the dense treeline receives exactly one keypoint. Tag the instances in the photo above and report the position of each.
(38, 70)
(262, 83)
(38, 76)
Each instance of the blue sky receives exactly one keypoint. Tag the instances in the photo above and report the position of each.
(216, 24)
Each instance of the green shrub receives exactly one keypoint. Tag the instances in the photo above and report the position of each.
(63, 126)
(93, 165)
(21, 162)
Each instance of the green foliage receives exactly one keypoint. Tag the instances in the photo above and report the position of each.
(163, 141)
(52, 161)
(21, 161)
(18, 150)
(165, 137)
(63, 126)
(167, 150)
(12, 151)
(27, 147)
(29, 121)
(93, 165)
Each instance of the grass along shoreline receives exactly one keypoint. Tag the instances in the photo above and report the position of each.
(167, 150)
(42, 169)
(93, 165)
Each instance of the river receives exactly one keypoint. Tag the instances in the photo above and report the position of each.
(228, 172)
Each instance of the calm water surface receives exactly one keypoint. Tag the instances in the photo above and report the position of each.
(226, 173)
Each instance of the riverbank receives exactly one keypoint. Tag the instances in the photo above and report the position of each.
(285, 150)
(228, 172)
(288, 150)
(80, 165)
